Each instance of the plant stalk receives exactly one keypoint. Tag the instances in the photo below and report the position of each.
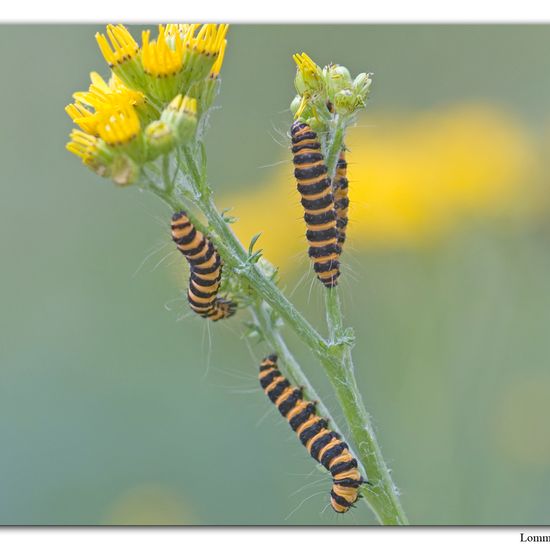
(382, 495)
(334, 354)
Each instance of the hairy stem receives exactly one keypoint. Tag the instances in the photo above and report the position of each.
(382, 495)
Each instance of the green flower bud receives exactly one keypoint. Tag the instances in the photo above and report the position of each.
(361, 85)
(205, 92)
(338, 78)
(309, 76)
(344, 101)
(159, 138)
(181, 116)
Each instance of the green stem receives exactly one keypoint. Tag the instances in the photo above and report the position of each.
(335, 144)
(382, 495)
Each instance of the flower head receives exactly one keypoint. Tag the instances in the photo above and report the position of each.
(102, 94)
(160, 57)
(83, 145)
(82, 116)
(120, 46)
(309, 76)
(91, 150)
(120, 50)
(204, 47)
(102, 100)
(118, 126)
(153, 100)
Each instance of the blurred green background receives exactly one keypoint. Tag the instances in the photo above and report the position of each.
(117, 406)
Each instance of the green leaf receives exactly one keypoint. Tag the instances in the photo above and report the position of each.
(253, 242)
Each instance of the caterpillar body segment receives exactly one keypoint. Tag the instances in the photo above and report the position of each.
(205, 270)
(324, 445)
(341, 200)
(315, 189)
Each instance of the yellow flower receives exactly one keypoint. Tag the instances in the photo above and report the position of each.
(184, 104)
(216, 68)
(92, 151)
(118, 126)
(102, 95)
(309, 76)
(159, 58)
(122, 46)
(82, 116)
(100, 104)
(412, 179)
(306, 65)
(209, 41)
(83, 145)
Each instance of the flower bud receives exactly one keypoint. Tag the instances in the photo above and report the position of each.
(92, 151)
(159, 138)
(309, 76)
(344, 101)
(361, 85)
(181, 116)
(338, 78)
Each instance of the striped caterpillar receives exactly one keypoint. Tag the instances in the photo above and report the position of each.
(340, 192)
(341, 200)
(318, 201)
(206, 270)
(325, 446)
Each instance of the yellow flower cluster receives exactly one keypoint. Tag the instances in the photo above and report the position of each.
(412, 179)
(113, 117)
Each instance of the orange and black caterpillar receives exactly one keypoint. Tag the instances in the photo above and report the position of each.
(318, 201)
(206, 270)
(341, 200)
(325, 446)
(340, 191)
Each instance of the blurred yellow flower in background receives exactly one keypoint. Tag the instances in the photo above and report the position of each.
(412, 178)
(150, 504)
